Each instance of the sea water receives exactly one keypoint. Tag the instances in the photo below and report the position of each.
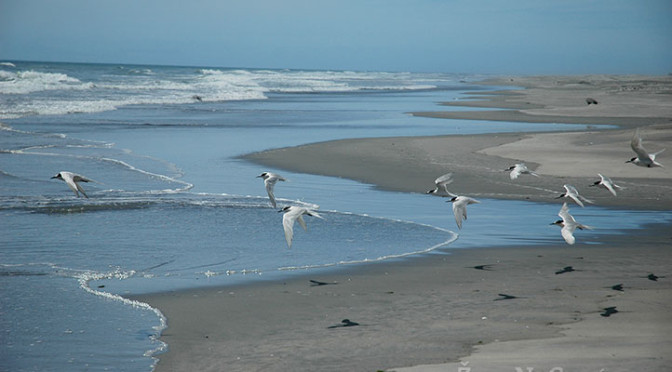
(173, 207)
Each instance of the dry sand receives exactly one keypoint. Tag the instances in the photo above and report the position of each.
(425, 312)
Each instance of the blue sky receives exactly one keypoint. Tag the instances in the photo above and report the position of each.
(486, 36)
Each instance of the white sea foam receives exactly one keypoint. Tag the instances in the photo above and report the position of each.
(149, 87)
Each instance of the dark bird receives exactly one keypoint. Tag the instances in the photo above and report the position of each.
(482, 267)
(566, 269)
(608, 311)
(504, 297)
(591, 101)
(345, 323)
(316, 283)
(617, 287)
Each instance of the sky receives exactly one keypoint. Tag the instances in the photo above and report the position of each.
(461, 36)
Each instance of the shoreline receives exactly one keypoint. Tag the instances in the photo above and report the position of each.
(419, 313)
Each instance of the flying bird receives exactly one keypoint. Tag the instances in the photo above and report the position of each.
(269, 181)
(72, 180)
(518, 169)
(568, 224)
(643, 158)
(571, 192)
(606, 183)
(460, 208)
(292, 214)
(442, 185)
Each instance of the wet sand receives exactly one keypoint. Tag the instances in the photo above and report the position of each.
(437, 312)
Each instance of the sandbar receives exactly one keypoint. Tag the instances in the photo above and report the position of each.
(437, 312)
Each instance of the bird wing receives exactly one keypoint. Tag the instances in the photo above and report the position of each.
(302, 222)
(572, 193)
(444, 180)
(460, 211)
(69, 179)
(288, 224)
(515, 172)
(79, 187)
(610, 186)
(269, 191)
(568, 233)
(636, 144)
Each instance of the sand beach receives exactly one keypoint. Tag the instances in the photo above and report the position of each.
(443, 312)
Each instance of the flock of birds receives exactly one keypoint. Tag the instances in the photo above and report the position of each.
(293, 213)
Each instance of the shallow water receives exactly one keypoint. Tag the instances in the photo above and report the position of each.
(173, 207)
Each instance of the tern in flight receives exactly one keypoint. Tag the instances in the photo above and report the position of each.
(72, 180)
(269, 180)
(460, 208)
(442, 185)
(643, 158)
(292, 214)
(571, 192)
(568, 224)
(518, 169)
(607, 183)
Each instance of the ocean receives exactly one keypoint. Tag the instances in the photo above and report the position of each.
(174, 207)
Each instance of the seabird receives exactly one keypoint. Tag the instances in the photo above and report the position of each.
(442, 185)
(72, 180)
(566, 269)
(269, 181)
(518, 169)
(294, 213)
(607, 183)
(568, 224)
(643, 158)
(571, 192)
(460, 208)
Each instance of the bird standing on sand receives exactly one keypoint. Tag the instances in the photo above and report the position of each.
(643, 158)
(568, 224)
(72, 180)
(269, 181)
(460, 208)
(518, 169)
(442, 185)
(607, 183)
(571, 192)
(294, 213)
